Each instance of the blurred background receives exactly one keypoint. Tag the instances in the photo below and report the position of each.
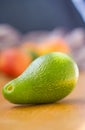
(31, 28)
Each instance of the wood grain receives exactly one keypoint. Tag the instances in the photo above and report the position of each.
(69, 114)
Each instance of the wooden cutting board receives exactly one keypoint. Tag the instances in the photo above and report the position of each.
(69, 114)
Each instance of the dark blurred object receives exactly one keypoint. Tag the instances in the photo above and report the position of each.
(30, 15)
(9, 36)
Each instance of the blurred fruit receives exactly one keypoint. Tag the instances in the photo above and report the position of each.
(76, 41)
(35, 36)
(53, 44)
(13, 62)
(30, 49)
(9, 36)
(76, 38)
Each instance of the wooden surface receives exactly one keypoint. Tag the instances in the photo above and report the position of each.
(69, 114)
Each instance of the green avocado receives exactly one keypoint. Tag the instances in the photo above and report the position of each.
(48, 79)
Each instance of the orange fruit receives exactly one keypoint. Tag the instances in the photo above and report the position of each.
(30, 49)
(13, 62)
(52, 45)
